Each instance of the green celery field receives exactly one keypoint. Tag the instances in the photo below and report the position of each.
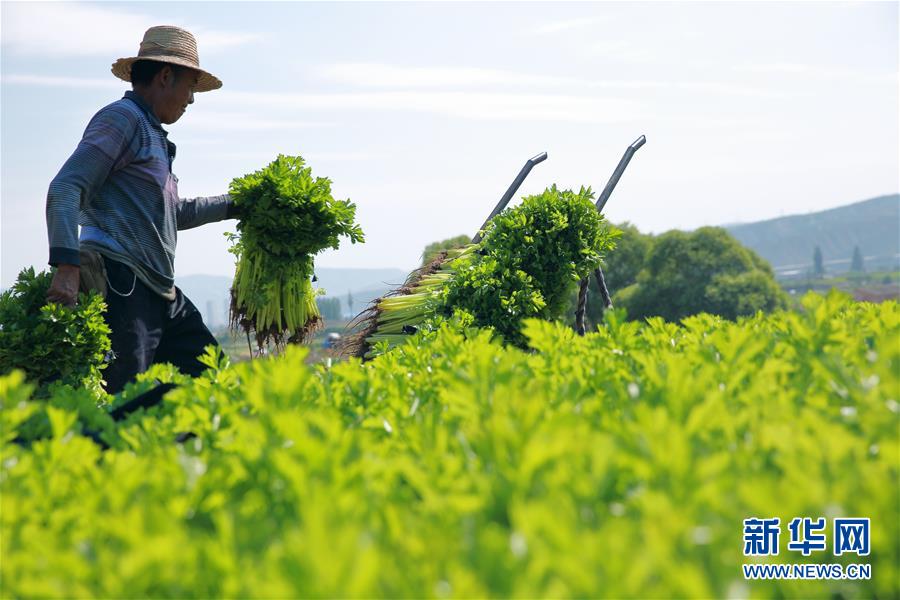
(617, 465)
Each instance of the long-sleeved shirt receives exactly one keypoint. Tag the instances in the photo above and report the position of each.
(119, 185)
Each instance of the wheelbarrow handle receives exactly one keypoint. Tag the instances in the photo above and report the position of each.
(617, 174)
(510, 191)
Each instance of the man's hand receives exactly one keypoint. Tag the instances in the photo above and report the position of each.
(64, 287)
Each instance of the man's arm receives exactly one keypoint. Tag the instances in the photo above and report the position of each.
(103, 147)
(193, 212)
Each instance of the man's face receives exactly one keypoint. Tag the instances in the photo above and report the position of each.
(176, 93)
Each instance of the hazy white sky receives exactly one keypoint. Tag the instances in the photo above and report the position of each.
(422, 113)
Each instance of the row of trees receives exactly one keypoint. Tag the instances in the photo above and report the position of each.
(857, 263)
(330, 308)
(678, 274)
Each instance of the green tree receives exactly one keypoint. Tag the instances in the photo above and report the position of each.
(706, 270)
(625, 261)
(857, 264)
(818, 263)
(432, 250)
(732, 296)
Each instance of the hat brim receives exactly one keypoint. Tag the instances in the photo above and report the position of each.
(207, 82)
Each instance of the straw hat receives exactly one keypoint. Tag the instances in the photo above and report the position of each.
(168, 44)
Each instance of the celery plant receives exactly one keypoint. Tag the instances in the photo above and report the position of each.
(286, 217)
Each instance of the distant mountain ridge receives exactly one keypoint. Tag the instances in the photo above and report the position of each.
(788, 242)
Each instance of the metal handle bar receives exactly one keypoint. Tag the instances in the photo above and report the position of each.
(514, 186)
(617, 174)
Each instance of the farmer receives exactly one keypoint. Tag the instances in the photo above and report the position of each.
(119, 186)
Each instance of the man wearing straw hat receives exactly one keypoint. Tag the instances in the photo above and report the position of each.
(119, 186)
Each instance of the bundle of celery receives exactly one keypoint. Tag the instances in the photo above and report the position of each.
(286, 217)
(527, 264)
(395, 316)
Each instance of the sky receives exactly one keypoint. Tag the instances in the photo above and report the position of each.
(423, 113)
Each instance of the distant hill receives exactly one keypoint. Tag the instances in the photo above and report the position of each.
(210, 293)
(788, 243)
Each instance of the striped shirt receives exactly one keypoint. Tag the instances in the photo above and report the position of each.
(119, 186)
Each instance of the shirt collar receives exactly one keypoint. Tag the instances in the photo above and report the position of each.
(135, 97)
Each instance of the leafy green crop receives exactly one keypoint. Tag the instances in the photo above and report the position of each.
(620, 464)
(495, 296)
(530, 259)
(51, 342)
(286, 217)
